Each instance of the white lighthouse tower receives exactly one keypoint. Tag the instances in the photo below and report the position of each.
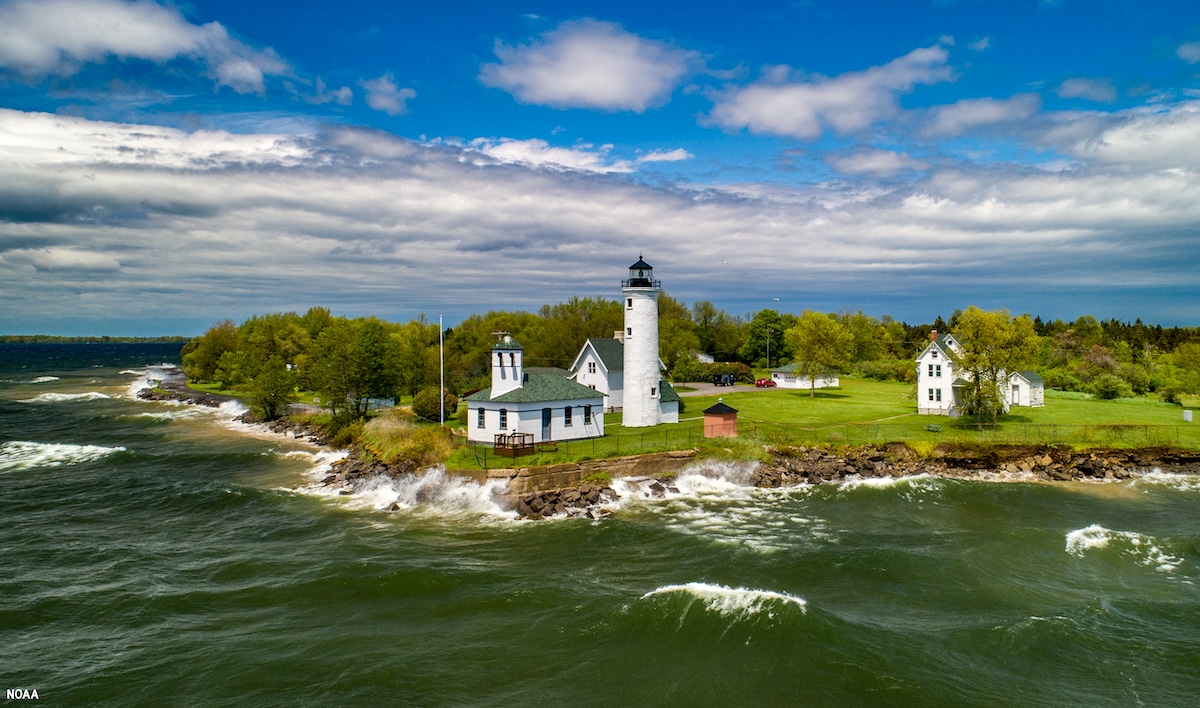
(643, 383)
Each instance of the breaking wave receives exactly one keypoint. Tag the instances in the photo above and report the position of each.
(63, 397)
(1146, 549)
(20, 455)
(430, 492)
(44, 379)
(1178, 482)
(732, 602)
(916, 481)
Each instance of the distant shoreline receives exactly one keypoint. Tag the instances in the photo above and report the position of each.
(55, 339)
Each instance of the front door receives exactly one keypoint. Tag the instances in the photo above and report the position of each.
(546, 424)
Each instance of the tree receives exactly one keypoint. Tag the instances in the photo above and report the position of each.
(202, 355)
(425, 404)
(994, 344)
(764, 338)
(273, 388)
(676, 331)
(822, 346)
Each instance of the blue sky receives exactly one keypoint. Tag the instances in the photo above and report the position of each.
(164, 165)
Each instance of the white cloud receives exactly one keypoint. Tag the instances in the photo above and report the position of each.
(62, 259)
(539, 153)
(980, 45)
(343, 96)
(384, 95)
(846, 103)
(1189, 52)
(56, 37)
(875, 163)
(590, 64)
(676, 155)
(212, 225)
(1098, 90)
(964, 115)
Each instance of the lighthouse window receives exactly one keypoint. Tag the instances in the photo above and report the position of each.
(629, 303)
(629, 331)
(653, 392)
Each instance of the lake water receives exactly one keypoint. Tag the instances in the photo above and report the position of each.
(155, 554)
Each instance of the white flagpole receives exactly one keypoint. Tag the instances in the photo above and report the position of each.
(442, 371)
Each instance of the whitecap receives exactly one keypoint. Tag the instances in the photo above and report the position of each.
(44, 379)
(63, 397)
(21, 455)
(431, 492)
(853, 482)
(1179, 482)
(732, 601)
(1146, 549)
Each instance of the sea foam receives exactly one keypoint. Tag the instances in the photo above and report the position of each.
(63, 397)
(1146, 549)
(430, 492)
(44, 379)
(21, 455)
(733, 602)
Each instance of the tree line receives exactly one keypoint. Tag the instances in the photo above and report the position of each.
(350, 361)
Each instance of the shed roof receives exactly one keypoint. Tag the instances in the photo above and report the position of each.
(667, 392)
(720, 407)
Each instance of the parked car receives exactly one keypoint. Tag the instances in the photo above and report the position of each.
(722, 379)
(765, 383)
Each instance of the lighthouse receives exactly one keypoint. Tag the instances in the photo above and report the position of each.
(643, 383)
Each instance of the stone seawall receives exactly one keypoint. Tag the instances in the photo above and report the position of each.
(525, 480)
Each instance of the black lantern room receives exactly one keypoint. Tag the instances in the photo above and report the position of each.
(641, 275)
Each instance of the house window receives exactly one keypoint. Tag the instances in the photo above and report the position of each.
(567, 416)
(937, 371)
(587, 415)
(504, 419)
(591, 367)
(934, 354)
(939, 394)
(931, 369)
(935, 394)
(481, 423)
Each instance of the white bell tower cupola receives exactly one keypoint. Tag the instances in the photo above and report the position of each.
(643, 393)
(507, 367)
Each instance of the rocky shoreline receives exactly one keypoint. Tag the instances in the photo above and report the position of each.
(813, 465)
(581, 489)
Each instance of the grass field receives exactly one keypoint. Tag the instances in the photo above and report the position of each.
(867, 411)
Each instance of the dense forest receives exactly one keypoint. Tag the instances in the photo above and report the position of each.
(350, 361)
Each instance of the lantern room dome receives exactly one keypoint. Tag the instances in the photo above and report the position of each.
(641, 275)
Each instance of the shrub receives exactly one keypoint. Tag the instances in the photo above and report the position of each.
(425, 404)
(1110, 386)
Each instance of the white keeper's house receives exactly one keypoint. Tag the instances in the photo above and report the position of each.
(550, 407)
(938, 383)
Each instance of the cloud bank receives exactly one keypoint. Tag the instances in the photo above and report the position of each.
(99, 218)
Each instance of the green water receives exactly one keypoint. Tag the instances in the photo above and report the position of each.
(153, 554)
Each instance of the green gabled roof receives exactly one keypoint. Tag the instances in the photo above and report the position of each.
(611, 352)
(789, 369)
(541, 387)
(1033, 378)
(667, 392)
(506, 345)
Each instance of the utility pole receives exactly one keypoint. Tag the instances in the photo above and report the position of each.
(441, 373)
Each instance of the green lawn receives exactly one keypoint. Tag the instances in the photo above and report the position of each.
(867, 411)
(876, 411)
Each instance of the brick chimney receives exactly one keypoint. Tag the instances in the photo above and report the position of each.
(933, 335)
